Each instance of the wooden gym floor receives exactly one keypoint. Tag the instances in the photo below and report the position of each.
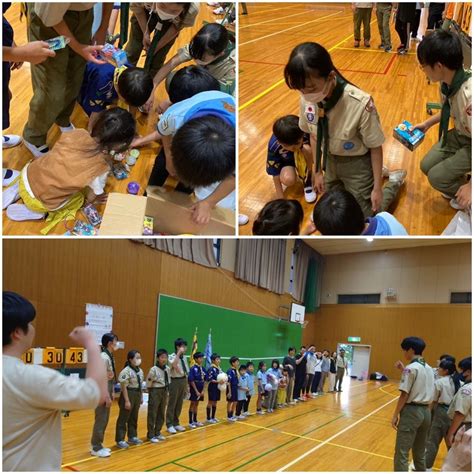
(348, 431)
(266, 37)
(20, 86)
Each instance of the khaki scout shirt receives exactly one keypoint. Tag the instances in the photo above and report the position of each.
(52, 14)
(444, 390)
(128, 377)
(354, 124)
(418, 381)
(178, 372)
(224, 70)
(108, 365)
(461, 109)
(462, 402)
(156, 377)
(186, 22)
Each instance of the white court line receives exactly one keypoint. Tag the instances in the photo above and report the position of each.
(333, 437)
(288, 29)
(276, 19)
(274, 9)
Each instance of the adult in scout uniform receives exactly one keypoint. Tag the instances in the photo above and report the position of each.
(412, 416)
(57, 81)
(131, 398)
(179, 371)
(362, 14)
(102, 412)
(383, 11)
(460, 410)
(346, 134)
(341, 367)
(447, 163)
(158, 382)
(166, 20)
(213, 392)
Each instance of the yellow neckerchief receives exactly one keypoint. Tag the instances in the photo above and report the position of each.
(118, 71)
(217, 367)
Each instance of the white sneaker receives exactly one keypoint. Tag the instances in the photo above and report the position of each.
(179, 428)
(215, 420)
(9, 141)
(101, 453)
(37, 151)
(19, 212)
(397, 176)
(10, 195)
(234, 418)
(198, 424)
(246, 413)
(192, 425)
(122, 444)
(261, 412)
(309, 194)
(241, 417)
(9, 176)
(160, 437)
(171, 430)
(69, 128)
(135, 441)
(213, 4)
(455, 205)
(212, 421)
(154, 440)
(243, 219)
(107, 449)
(231, 419)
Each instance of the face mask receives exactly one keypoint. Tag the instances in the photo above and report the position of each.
(317, 96)
(164, 15)
(200, 62)
(137, 362)
(115, 346)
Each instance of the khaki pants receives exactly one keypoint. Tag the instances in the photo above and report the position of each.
(383, 20)
(57, 81)
(446, 167)
(438, 430)
(339, 378)
(332, 382)
(354, 174)
(127, 420)
(412, 432)
(289, 389)
(321, 382)
(362, 15)
(178, 391)
(157, 400)
(134, 46)
(102, 414)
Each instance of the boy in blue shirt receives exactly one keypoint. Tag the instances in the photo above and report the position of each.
(196, 379)
(289, 157)
(251, 387)
(213, 392)
(104, 85)
(339, 213)
(232, 388)
(242, 391)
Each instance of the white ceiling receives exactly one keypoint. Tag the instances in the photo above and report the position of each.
(334, 246)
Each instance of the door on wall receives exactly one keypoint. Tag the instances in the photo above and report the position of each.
(360, 362)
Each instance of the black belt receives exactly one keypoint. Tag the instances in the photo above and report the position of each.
(418, 404)
(444, 405)
(178, 378)
(158, 388)
(134, 389)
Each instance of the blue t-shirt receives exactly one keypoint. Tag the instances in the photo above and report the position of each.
(243, 383)
(97, 90)
(275, 379)
(215, 103)
(262, 377)
(279, 157)
(250, 384)
(384, 224)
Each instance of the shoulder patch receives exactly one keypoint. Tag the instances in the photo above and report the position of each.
(406, 370)
(370, 107)
(469, 110)
(228, 107)
(466, 391)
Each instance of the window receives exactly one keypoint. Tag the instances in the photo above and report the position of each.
(460, 297)
(370, 298)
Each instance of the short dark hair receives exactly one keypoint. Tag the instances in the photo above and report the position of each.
(465, 364)
(189, 81)
(279, 217)
(131, 354)
(198, 355)
(302, 347)
(108, 337)
(261, 364)
(443, 47)
(243, 367)
(212, 39)
(415, 343)
(135, 85)
(114, 129)
(287, 130)
(233, 359)
(291, 349)
(215, 356)
(160, 352)
(275, 361)
(447, 357)
(179, 342)
(338, 213)
(203, 151)
(249, 363)
(18, 312)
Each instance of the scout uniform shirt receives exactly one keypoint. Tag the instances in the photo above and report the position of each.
(341, 362)
(418, 381)
(158, 377)
(444, 390)
(108, 365)
(182, 369)
(354, 124)
(130, 378)
(52, 13)
(461, 403)
(197, 375)
(188, 20)
(461, 108)
(33, 397)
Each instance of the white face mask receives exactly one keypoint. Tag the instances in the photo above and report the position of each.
(137, 362)
(316, 97)
(115, 346)
(164, 15)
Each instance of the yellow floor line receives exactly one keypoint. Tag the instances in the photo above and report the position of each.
(281, 81)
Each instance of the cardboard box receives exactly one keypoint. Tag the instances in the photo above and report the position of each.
(124, 214)
(410, 139)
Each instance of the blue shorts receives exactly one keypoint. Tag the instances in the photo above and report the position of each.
(192, 393)
(213, 392)
(233, 394)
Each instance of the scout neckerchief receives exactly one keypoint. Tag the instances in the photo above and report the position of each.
(137, 371)
(117, 73)
(183, 364)
(322, 143)
(227, 52)
(460, 77)
(218, 369)
(201, 373)
(167, 382)
(165, 25)
(111, 357)
(420, 360)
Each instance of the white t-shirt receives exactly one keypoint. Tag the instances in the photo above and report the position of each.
(33, 397)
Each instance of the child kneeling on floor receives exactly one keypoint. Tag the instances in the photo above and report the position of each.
(74, 171)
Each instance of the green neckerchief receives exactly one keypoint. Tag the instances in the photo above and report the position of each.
(183, 364)
(111, 357)
(420, 360)
(227, 52)
(137, 371)
(165, 25)
(322, 143)
(167, 382)
(460, 77)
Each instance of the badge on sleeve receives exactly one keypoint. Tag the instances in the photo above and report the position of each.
(163, 123)
(370, 107)
(309, 112)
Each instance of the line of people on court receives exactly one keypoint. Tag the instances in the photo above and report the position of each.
(335, 146)
(434, 405)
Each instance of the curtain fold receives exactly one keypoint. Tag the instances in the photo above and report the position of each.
(199, 251)
(261, 262)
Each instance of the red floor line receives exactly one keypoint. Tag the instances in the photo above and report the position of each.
(72, 468)
(390, 63)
